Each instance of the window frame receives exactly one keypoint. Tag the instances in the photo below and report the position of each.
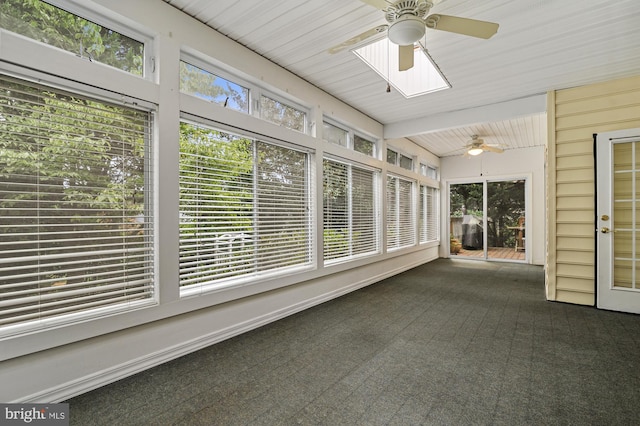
(398, 156)
(409, 202)
(352, 134)
(424, 230)
(348, 133)
(376, 182)
(255, 91)
(217, 72)
(426, 168)
(150, 196)
(263, 93)
(257, 278)
(119, 24)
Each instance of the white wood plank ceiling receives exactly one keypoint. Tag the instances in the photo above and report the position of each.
(541, 45)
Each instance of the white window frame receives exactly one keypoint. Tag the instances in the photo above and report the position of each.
(219, 72)
(377, 178)
(348, 143)
(261, 92)
(374, 141)
(256, 91)
(423, 213)
(239, 281)
(118, 24)
(351, 137)
(398, 218)
(100, 95)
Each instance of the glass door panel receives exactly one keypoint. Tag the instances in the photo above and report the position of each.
(506, 238)
(466, 226)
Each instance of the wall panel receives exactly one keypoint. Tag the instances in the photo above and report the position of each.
(577, 114)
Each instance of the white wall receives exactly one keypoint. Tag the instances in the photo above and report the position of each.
(515, 163)
(57, 363)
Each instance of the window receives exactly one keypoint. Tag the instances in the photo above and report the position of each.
(364, 146)
(282, 114)
(429, 171)
(428, 214)
(406, 162)
(75, 194)
(56, 27)
(400, 223)
(350, 206)
(392, 157)
(397, 159)
(244, 207)
(335, 134)
(424, 77)
(345, 136)
(208, 86)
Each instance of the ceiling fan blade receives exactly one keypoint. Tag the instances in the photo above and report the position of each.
(492, 149)
(379, 4)
(405, 55)
(465, 26)
(357, 39)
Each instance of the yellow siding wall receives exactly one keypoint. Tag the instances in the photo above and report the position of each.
(574, 116)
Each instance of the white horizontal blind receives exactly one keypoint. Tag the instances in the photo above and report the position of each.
(364, 210)
(422, 214)
(283, 214)
(401, 230)
(433, 230)
(337, 224)
(75, 223)
(244, 207)
(428, 213)
(350, 211)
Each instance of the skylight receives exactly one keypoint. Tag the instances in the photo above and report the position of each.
(423, 78)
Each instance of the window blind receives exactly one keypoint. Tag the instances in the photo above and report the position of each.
(244, 207)
(75, 189)
(428, 214)
(401, 231)
(422, 214)
(433, 230)
(350, 218)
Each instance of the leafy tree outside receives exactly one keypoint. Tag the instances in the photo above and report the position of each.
(54, 26)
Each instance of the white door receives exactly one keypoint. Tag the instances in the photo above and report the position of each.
(618, 220)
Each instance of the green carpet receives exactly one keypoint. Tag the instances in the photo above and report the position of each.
(451, 342)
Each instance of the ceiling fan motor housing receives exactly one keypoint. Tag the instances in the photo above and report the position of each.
(406, 30)
(406, 19)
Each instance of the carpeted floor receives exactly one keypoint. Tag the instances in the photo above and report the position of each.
(452, 342)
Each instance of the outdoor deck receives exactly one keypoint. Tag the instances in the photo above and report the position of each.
(507, 253)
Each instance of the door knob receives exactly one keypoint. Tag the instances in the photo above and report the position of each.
(605, 230)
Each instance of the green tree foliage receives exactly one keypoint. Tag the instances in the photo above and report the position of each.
(466, 199)
(51, 25)
(282, 114)
(72, 171)
(232, 186)
(505, 205)
(282, 201)
(335, 199)
(216, 181)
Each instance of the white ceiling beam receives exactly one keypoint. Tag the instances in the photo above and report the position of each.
(482, 114)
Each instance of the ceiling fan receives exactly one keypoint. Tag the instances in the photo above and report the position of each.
(477, 146)
(408, 21)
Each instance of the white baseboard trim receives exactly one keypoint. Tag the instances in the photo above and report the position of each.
(94, 381)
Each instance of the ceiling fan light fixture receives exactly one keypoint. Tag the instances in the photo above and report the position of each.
(475, 151)
(406, 30)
